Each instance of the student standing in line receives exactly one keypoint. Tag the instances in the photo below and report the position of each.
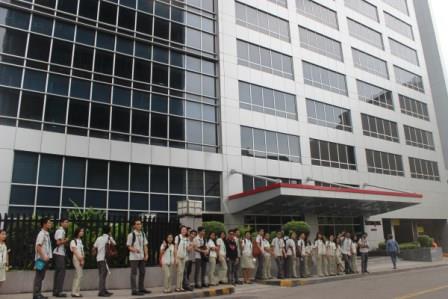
(392, 249)
(77, 249)
(59, 258)
(364, 251)
(103, 268)
(138, 256)
(267, 257)
(291, 256)
(4, 259)
(212, 247)
(238, 244)
(301, 254)
(340, 269)
(201, 256)
(355, 254)
(321, 252)
(232, 257)
(260, 257)
(181, 250)
(346, 249)
(189, 260)
(331, 256)
(222, 257)
(308, 258)
(278, 245)
(42, 256)
(167, 261)
(247, 263)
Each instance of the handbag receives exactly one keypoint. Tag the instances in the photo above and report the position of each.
(111, 249)
(256, 251)
(40, 264)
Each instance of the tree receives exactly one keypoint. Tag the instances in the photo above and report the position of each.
(214, 226)
(296, 226)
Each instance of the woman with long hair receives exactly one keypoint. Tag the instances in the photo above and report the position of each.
(4, 263)
(222, 258)
(213, 249)
(321, 252)
(77, 249)
(247, 258)
(167, 261)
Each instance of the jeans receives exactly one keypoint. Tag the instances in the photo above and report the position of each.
(347, 262)
(260, 261)
(364, 261)
(280, 261)
(187, 274)
(200, 272)
(59, 273)
(232, 270)
(138, 266)
(38, 279)
(393, 257)
(103, 271)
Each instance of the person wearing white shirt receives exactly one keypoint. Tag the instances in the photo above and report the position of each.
(301, 254)
(77, 249)
(267, 257)
(291, 256)
(346, 249)
(308, 258)
(200, 252)
(364, 251)
(182, 247)
(354, 254)
(42, 256)
(331, 256)
(339, 258)
(101, 259)
(260, 257)
(137, 243)
(247, 259)
(4, 258)
(59, 258)
(167, 261)
(321, 251)
(278, 245)
(222, 256)
(212, 247)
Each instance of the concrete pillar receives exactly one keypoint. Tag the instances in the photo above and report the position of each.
(311, 219)
(190, 221)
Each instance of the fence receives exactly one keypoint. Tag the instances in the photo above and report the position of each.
(22, 231)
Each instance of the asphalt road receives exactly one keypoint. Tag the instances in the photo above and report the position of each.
(415, 284)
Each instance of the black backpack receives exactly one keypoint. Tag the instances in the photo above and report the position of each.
(134, 238)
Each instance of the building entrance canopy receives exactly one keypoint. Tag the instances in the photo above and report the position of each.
(282, 198)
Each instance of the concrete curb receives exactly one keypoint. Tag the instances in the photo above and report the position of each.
(211, 292)
(302, 282)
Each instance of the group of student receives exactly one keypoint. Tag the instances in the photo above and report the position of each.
(214, 258)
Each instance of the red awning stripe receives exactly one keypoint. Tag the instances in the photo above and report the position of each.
(321, 188)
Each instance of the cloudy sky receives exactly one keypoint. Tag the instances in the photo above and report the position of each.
(440, 8)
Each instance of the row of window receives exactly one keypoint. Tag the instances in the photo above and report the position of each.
(398, 26)
(379, 128)
(363, 7)
(401, 5)
(146, 25)
(365, 34)
(402, 51)
(317, 12)
(330, 154)
(283, 3)
(424, 169)
(409, 79)
(271, 145)
(384, 163)
(264, 59)
(327, 115)
(261, 21)
(57, 181)
(251, 183)
(321, 44)
(261, 99)
(419, 138)
(413, 107)
(370, 63)
(374, 95)
(324, 78)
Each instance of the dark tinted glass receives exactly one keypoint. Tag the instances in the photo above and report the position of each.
(34, 80)
(120, 119)
(140, 123)
(64, 30)
(195, 182)
(85, 36)
(62, 53)
(74, 172)
(126, 18)
(212, 184)
(158, 125)
(159, 202)
(99, 116)
(177, 128)
(11, 76)
(50, 170)
(83, 57)
(101, 92)
(144, 23)
(14, 18)
(12, 41)
(22, 195)
(32, 105)
(178, 180)
(139, 202)
(161, 28)
(159, 179)
(96, 199)
(139, 177)
(160, 74)
(42, 25)
(78, 113)
(122, 96)
(97, 174)
(88, 9)
(58, 85)
(55, 109)
(108, 13)
(123, 66)
(104, 62)
(118, 176)
(72, 197)
(80, 89)
(118, 200)
(39, 47)
(68, 5)
(9, 100)
(142, 70)
(25, 168)
(48, 196)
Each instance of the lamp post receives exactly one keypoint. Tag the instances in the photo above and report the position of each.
(190, 213)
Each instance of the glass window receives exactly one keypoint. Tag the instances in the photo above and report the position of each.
(58, 85)
(104, 40)
(194, 131)
(159, 202)
(195, 182)
(48, 196)
(159, 125)
(99, 116)
(25, 168)
(161, 28)
(97, 174)
(42, 25)
(83, 57)
(120, 119)
(101, 92)
(144, 23)
(12, 41)
(22, 195)
(39, 47)
(14, 18)
(122, 64)
(62, 53)
(69, 6)
(78, 113)
(159, 179)
(178, 181)
(32, 105)
(160, 74)
(11, 76)
(9, 101)
(139, 178)
(72, 197)
(85, 36)
(74, 172)
(118, 200)
(50, 170)
(96, 199)
(139, 202)
(64, 30)
(88, 9)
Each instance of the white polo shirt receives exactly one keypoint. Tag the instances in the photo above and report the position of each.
(301, 244)
(77, 244)
(211, 246)
(278, 245)
(182, 246)
(266, 247)
(168, 255)
(43, 239)
(59, 235)
(140, 242)
(198, 242)
(259, 241)
(222, 247)
(247, 247)
(100, 245)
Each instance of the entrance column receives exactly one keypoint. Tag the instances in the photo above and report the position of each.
(311, 219)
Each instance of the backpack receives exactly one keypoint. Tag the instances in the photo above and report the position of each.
(256, 251)
(134, 238)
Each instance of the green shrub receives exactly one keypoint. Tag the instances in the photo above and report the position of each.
(425, 241)
(273, 234)
(213, 226)
(243, 229)
(409, 245)
(382, 245)
(296, 226)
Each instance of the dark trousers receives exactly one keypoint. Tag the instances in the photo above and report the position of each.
(102, 271)
(280, 261)
(260, 262)
(301, 262)
(393, 257)
(187, 274)
(138, 266)
(232, 270)
(59, 273)
(348, 264)
(38, 279)
(364, 261)
(200, 272)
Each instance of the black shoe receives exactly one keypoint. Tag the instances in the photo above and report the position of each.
(145, 291)
(239, 282)
(135, 293)
(205, 285)
(77, 296)
(109, 293)
(40, 297)
(104, 294)
(60, 295)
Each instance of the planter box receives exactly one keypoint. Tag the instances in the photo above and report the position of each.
(422, 254)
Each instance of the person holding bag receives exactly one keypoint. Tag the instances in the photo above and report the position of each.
(222, 258)
(137, 244)
(278, 245)
(167, 261)
(267, 257)
(182, 247)
(43, 256)
(77, 249)
(104, 249)
(213, 248)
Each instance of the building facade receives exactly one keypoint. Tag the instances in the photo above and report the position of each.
(130, 106)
